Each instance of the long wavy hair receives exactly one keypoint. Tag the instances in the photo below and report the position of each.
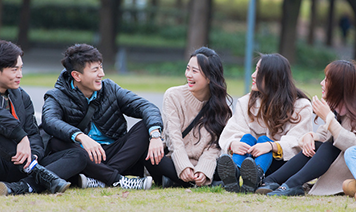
(341, 87)
(277, 93)
(216, 110)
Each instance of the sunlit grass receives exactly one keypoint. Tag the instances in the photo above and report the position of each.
(174, 199)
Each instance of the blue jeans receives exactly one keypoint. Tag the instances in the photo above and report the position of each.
(350, 159)
(264, 161)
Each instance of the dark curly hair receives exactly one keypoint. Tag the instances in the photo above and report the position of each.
(216, 110)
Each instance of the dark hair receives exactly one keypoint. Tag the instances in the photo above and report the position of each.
(217, 111)
(341, 87)
(76, 57)
(277, 92)
(9, 53)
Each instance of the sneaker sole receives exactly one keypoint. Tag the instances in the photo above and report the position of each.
(227, 173)
(148, 183)
(63, 188)
(249, 175)
(3, 189)
(263, 191)
(82, 181)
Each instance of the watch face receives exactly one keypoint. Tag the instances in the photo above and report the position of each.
(156, 135)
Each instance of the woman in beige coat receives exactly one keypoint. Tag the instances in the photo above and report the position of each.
(322, 154)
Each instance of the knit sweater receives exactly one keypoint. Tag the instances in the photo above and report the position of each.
(179, 109)
(240, 124)
(331, 181)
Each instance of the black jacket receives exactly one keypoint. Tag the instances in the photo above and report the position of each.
(65, 107)
(16, 130)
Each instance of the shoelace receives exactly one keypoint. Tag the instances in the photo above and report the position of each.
(131, 183)
(92, 183)
(17, 187)
(46, 176)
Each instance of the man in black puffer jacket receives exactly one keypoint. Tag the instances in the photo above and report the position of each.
(21, 146)
(113, 152)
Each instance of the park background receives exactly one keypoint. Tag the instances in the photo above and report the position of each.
(145, 45)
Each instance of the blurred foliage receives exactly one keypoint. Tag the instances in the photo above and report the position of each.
(68, 22)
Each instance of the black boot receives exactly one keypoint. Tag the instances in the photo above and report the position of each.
(229, 173)
(15, 188)
(252, 175)
(49, 180)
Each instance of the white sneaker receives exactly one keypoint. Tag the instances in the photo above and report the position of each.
(87, 182)
(134, 183)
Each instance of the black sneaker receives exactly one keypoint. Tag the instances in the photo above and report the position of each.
(87, 182)
(134, 183)
(15, 188)
(251, 175)
(49, 180)
(229, 173)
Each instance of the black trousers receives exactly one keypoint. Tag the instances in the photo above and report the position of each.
(64, 163)
(301, 169)
(123, 157)
(166, 167)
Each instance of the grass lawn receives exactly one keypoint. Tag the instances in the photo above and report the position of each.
(158, 84)
(177, 199)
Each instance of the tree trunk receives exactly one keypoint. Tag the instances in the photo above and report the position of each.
(199, 25)
(180, 17)
(312, 22)
(290, 13)
(330, 24)
(353, 6)
(258, 16)
(108, 27)
(24, 25)
(153, 11)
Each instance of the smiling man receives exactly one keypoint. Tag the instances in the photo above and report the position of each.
(85, 112)
(21, 146)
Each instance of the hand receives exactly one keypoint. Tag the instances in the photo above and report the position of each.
(94, 149)
(308, 147)
(187, 175)
(23, 153)
(155, 151)
(199, 178)
(239, 148)
(321, 108)
(260, 149)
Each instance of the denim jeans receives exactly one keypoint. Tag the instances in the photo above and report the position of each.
(264, 161)
(350, 159)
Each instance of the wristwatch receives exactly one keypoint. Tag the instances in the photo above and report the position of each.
(155, 134)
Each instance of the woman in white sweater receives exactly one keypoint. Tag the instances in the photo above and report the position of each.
(264, 130)
(322, 154)
(191, 159)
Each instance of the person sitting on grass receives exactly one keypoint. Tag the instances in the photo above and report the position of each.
(264, 130)
(192, 154)
(112, 151)
(349, 185)
(21, 146)
(322, 154)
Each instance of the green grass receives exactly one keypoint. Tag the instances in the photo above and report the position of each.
(177, 199)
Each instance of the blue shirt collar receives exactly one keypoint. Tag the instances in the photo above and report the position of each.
(93, 96)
